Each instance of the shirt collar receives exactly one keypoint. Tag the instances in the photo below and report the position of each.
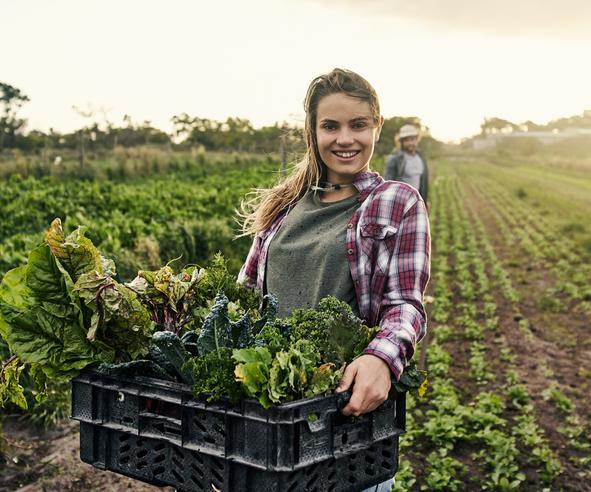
(365, 182)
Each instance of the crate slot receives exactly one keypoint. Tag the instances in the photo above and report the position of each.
(179, 477)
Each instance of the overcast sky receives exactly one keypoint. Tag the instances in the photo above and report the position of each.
(450, 62)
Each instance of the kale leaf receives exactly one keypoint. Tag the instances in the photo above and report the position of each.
(213, 375)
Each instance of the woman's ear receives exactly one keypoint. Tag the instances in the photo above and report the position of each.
(379, 130)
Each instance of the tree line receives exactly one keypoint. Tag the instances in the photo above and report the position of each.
(99, 134)
(499, 125)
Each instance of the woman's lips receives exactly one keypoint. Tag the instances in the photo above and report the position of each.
(346, 155)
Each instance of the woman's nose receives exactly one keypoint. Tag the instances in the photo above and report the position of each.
(345, 137)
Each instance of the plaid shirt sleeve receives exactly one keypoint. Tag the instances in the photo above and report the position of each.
(402, 315)
(248, 272)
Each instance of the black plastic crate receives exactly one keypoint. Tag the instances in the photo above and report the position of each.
(282, 438)
(162, 463)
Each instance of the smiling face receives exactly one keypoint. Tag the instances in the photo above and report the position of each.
(346, 133)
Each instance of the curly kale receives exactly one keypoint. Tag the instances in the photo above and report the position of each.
(213, 374)
(333, 328)
(273, 337)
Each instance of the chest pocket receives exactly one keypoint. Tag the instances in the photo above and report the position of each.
(377, 243)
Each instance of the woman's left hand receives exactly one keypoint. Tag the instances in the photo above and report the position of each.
(370, 377)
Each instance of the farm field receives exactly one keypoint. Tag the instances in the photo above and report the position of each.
(508, 350)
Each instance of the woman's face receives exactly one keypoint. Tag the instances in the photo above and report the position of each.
(346, 134)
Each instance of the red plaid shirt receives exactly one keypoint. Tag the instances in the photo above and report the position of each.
(388, 250)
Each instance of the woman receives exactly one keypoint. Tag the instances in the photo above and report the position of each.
(333, 227)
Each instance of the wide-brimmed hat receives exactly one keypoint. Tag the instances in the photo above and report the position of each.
(408, 131)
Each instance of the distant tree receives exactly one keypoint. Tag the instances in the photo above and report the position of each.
(530, 126)
(84, 133)
(579, 121)
(497, 125)
(11, 99)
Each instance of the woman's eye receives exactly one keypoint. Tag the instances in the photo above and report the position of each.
(359, 124)
(329, 126)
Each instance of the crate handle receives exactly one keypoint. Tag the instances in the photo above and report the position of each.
(317, 422)
(343, 398)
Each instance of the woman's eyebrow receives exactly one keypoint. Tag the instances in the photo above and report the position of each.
(352, 120)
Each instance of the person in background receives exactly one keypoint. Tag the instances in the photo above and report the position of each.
(407, 164)
(334, 227)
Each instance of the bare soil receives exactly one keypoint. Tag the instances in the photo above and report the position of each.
(35, 460)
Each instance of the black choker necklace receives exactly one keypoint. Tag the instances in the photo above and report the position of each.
(331, 187)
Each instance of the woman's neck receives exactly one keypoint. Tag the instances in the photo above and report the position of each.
(336, 195)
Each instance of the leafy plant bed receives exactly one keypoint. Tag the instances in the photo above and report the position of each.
(287, 437)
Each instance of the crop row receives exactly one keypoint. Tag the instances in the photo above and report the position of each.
(523, 228)
(464, 427)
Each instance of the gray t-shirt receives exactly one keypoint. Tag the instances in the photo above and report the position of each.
(307, 257)
(413, 169)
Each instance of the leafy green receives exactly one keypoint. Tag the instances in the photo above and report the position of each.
(75, 252)
(333, 328)
(325, 379)
(43, 317)
(291, 374)
(10, 388)
(274, 336)
(412, 378)
(170, 297)
(213, 374)
(174, 352)
(252, 370)
(241, 332)
(217, 279)
(215, 332)
(146, 368)
(269, 313)
(118, 316)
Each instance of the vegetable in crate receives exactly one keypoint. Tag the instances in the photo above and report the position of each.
(213, 368)
(178, 302)
(310, 361)
(333, 328)
(63, 311)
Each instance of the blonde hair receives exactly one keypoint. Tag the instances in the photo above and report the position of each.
(259, 211)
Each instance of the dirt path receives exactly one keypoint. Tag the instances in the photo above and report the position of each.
(50, 461)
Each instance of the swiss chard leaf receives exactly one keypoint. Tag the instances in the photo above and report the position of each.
(10, 387)
(43, 319)
(118, 319)
(75, 252)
